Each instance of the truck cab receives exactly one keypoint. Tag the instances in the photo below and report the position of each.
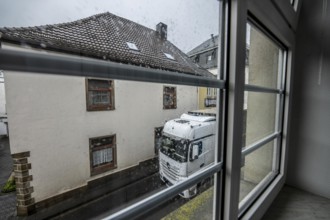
(187, 147)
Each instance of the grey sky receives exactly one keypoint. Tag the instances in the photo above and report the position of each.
(190, 22)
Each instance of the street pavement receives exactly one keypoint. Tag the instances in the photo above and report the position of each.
(7, 200)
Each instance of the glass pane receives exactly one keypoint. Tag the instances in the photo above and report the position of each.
(255, 167)
(263, 59)
(207, 98)
(99, 97)
(63, 113)
(184, 139)
(259, 116)
(102, 156)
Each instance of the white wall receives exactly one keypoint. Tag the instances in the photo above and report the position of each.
(3, 127)
(47, 116)
(309, 161)
(2, 95)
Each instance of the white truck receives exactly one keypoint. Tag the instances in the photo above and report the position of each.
(187, 146)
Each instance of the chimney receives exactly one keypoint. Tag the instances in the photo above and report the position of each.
(213, 40)
(161, 30)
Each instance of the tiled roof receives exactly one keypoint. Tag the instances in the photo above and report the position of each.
(105, 36)
(207, 45)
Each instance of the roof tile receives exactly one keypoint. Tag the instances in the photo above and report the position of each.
(104, 36)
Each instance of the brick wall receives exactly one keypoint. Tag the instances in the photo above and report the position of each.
(25, 202)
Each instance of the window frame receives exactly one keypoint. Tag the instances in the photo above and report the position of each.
(95, 170)
(209, 58)
(173, 96)
(233, 64)
(274, 21)
(100, 107)
(279, 108)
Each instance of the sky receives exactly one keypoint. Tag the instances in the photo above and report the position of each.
(190, 22)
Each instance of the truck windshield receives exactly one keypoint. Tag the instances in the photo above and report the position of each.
(175, 149)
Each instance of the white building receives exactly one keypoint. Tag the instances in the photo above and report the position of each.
(3, 113)
(73, 129)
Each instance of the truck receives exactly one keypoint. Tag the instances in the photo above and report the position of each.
(187, 146)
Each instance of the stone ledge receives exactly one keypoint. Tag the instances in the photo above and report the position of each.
(21, 155)
(23, 196)
(23, 185)
(26, 210)
(25, 191)
(23, 179)
(20, 161)
(25, 202)
(21, 173)
(22, 167)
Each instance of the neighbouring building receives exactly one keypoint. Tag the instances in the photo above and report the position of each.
(67, 132)
(206, 55)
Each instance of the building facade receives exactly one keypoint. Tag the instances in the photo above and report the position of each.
(74, 130)
(206, 55)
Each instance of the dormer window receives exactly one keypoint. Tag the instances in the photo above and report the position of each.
(169, 56)
(196, 60)
(132, 46)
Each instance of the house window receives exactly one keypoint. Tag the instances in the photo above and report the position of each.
(214, 53)
(169, 97)
(209, 92)
(102, 152)
(169, 56)
(158, 138)
(209, 58)
(196, 59)
(100, 95)
(132, 46)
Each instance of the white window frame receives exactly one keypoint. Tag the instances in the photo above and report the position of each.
(275, 23)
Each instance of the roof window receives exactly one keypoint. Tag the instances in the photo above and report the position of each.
(132, 46)
(169, 56)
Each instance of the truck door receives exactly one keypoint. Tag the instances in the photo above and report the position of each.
(196, 158)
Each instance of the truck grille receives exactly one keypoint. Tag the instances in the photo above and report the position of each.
(170, 171)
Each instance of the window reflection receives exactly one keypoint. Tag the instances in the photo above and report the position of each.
(264, 71)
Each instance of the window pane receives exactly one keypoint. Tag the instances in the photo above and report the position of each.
(100, 95)
(255, 167)
(158, 140)
(102, 157)
(207, 98)
(263, 59)
(264, 68)
(99, 98)
(259, 116)
(169, 97)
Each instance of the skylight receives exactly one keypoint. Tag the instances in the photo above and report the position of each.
(132, 46)
(169, 56)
